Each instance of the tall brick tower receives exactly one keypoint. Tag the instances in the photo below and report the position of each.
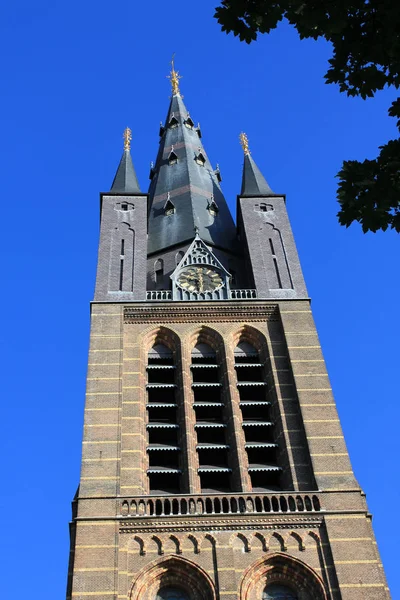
(213, 461)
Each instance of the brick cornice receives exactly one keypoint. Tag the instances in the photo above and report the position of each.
(221, 525)
(207, 312)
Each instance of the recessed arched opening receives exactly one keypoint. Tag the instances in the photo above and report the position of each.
(212, 447)
(256, 407)
(172, 578)
(163, 413)
(281, 577)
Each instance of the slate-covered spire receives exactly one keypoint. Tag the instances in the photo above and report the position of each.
(125, 179)
(253, 181)
(184, 175)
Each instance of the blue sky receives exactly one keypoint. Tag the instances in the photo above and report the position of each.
(74, 75)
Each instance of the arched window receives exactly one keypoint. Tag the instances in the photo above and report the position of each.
(171, 593)
(276, 591)
(211, 427)
(258, 425)
(163, 447)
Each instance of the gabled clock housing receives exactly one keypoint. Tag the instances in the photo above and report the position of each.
(198, 255)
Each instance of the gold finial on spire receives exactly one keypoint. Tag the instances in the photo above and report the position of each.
(127, 138)
(244, 140)
(174, 77)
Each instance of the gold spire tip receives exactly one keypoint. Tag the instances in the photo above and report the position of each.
(244, 140)
(174, 77)
(127, 138)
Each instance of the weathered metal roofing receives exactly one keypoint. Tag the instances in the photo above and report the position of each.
(125, 179)
(253, 181)
(191, 183)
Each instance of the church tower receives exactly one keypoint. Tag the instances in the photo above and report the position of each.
(213, 461)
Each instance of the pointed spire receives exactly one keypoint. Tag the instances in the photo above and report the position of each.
(253, 181)
(125, 179)
(183, 170)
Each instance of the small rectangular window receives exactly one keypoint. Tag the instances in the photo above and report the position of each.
(124, 206)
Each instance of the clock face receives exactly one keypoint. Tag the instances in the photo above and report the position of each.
(200, 279)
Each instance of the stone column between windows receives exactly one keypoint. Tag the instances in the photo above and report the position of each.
(231, 394)
(188, 422)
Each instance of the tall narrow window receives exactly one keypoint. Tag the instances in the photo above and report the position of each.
(257, 423)
(159, 273)
(122, 247)
(212, 447)
(121, 274)
(278, 277)
(162, 427)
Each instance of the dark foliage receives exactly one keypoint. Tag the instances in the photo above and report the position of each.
(365, 35)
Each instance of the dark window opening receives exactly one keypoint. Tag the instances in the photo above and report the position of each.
(160, 375)
(256, 412)
(264, 481)
(215, 482)
(189, 123)
(165, 437)
(161, 395)
(212, 456)
(249, 373)
(210, 435)
(121, 274)
(122, 247)
(164, 483)
(159, 273)
(172, 158)
(276, 591)
(124, 207)
(207, 394)
(205, 374)
(272, 246)
(164, 458)
(163, 414)
(171, 593)
(208, 414)
(248, 392)
(277, 272)
(258, 433)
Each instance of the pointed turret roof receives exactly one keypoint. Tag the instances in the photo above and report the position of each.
(184, 174)
(253, 181)
(125, 179)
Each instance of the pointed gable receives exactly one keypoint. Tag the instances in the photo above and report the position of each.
(199, 254)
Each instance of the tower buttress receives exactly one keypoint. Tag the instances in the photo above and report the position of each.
(121, 267)
(265, 231)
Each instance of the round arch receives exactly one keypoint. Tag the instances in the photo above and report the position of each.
(281, 569)
(174, 571)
